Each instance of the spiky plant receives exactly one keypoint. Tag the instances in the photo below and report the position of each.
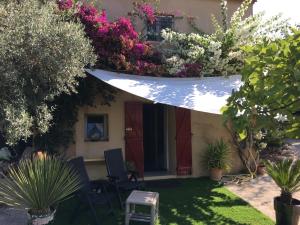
(286, 174)
(217, 155)
(38, 184)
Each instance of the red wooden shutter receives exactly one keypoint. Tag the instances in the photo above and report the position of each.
(183, 141)
(134, 145)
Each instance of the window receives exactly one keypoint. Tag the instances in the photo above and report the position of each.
(96, 128)
(161, 22)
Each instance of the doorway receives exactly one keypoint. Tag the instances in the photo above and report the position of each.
(155, 159)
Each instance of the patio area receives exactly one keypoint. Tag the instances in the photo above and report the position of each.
(182, 202)
(259, 193)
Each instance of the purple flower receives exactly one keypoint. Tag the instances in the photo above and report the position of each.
(190, 70)
(123, 27)
(149, 12)
(102, 18)
(139, 49)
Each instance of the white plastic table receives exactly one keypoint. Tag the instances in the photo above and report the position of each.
(142, 198)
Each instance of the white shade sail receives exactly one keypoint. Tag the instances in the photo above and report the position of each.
(208, 94)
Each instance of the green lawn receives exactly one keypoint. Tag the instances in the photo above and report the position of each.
(189, 202)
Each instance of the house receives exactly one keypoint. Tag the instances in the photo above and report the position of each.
(199, 11)
(163, 126)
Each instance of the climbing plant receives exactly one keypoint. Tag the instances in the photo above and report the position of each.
(61, 134)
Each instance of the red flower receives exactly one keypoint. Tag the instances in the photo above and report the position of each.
(116, 44)
(148, 11)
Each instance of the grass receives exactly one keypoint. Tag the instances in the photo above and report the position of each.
(192, 202)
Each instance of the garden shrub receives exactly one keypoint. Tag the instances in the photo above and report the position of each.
(42, 55)
(220, 52)
(269, 100)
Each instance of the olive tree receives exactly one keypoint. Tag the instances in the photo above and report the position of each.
(42, 55)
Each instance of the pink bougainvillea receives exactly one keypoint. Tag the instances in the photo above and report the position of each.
(117, 44)
(190, 69)
(147, 10)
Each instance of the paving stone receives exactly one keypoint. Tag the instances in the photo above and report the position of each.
(9, 216)
(259, 193)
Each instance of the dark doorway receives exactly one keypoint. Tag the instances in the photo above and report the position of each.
(154, 138)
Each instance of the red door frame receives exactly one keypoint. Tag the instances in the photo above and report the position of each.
(183, 141)
(134, 141)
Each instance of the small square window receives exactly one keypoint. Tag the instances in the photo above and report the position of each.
(96, 128)
(161, 22)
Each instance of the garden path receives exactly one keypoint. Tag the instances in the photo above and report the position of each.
(259, 193)
(9, 216)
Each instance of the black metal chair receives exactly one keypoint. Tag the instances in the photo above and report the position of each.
(122, 180)
(91, 193)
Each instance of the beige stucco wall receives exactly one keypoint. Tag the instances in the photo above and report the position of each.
(200, 10)
(90, 150)
(205, 129)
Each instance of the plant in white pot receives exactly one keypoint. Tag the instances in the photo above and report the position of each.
(217, 159)
(286, 174)
(38, 185)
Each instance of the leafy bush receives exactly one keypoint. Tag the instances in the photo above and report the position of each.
(269, 99)
(220, 52)
(43, 60)
(38, 184)
(286, 175)
(217, 155)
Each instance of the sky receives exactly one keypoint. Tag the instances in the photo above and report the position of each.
(289, 8)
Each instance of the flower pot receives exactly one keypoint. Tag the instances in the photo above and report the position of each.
(41, 219)
(261, 170)
(287, 214)
(216, 174)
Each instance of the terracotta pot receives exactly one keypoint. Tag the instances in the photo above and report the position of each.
(41, 219)
(261, 170)
(287, 214)
(216, 174)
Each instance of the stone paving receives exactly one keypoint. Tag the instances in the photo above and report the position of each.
(9, 216)
(259, 193)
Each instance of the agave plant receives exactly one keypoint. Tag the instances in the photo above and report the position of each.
(286, 174)
(38, 184)
(217, 155)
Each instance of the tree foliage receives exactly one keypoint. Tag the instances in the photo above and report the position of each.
(270, 97)
(41, 57)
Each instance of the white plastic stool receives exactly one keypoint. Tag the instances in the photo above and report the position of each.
(142, 198)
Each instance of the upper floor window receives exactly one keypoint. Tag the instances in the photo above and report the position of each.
(161, 22)
(96, 127)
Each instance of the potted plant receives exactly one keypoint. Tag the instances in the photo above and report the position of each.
(37, 185)
(286, 174)
(217, 159)
(261, 169)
